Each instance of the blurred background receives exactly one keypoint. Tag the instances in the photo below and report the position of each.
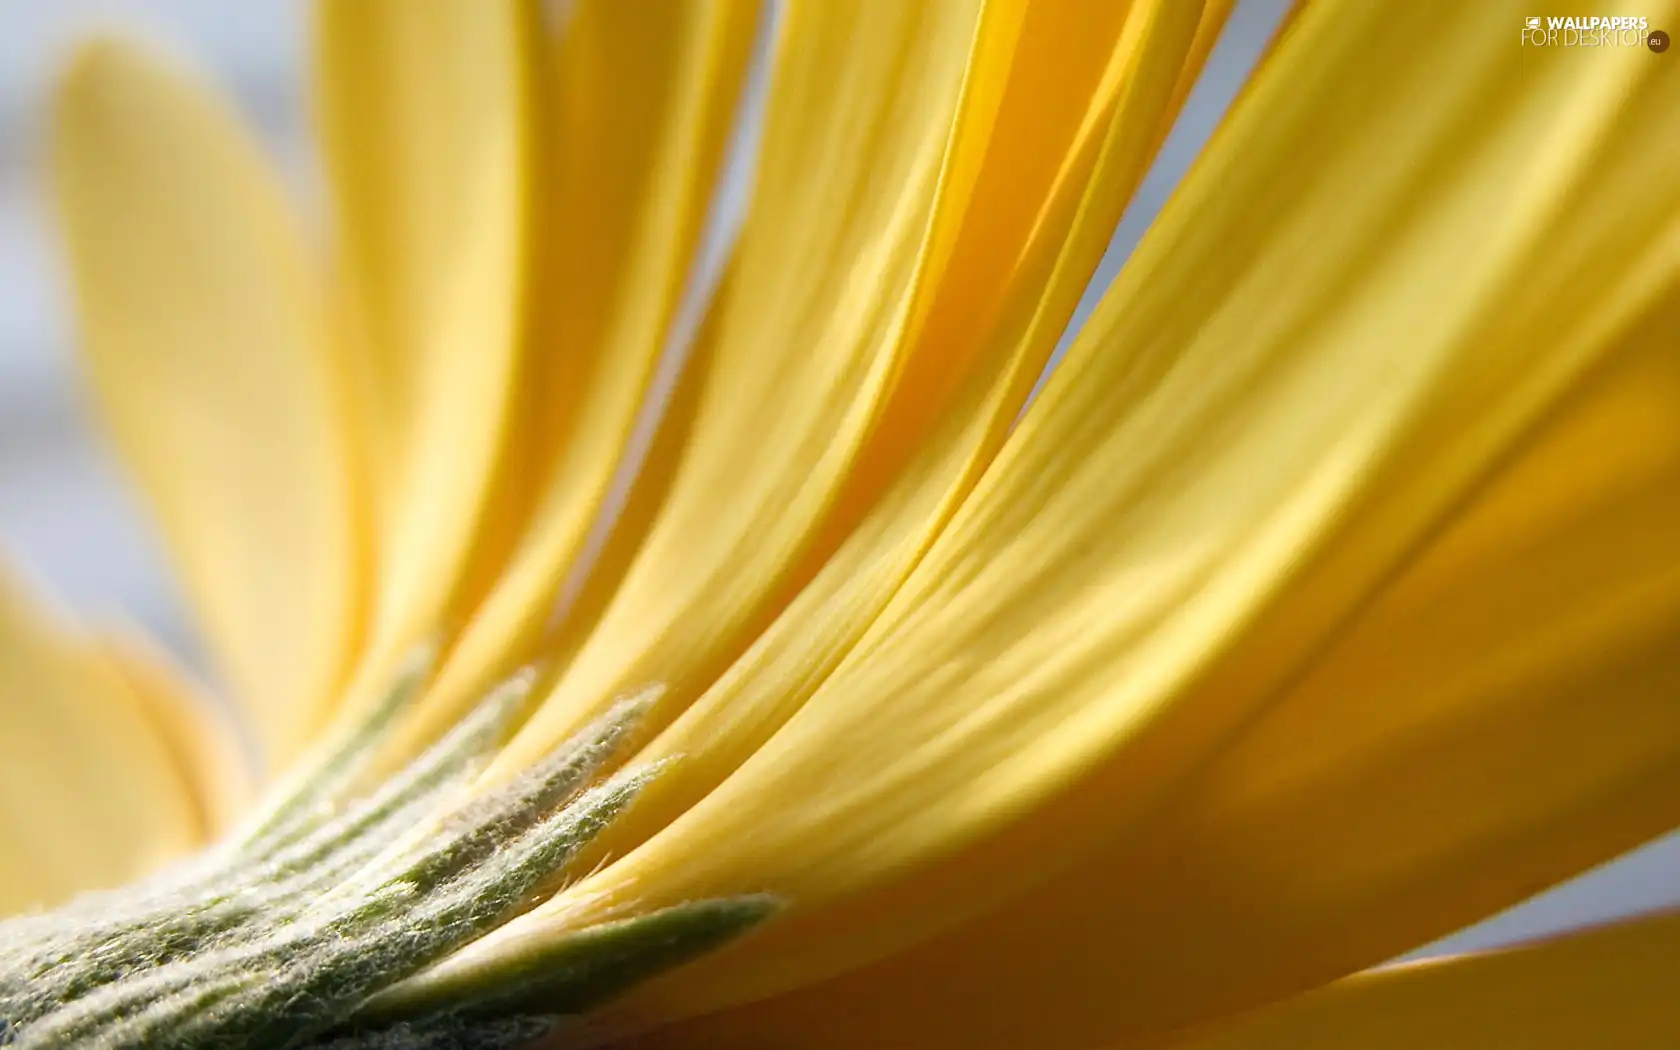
(64, 511)
(63, 508)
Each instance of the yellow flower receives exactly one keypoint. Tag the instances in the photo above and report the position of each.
(1327, 600)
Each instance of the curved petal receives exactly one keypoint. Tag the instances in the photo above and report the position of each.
(1498, 717)
(642, 106)
(1093, 96)
(428, 112)
(840, 348)
(91, 795)
(806, 347)
(1403, 249)
(1609, 987)
(203, 334)
(198, 729)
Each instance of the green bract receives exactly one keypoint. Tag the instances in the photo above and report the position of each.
(342, 888)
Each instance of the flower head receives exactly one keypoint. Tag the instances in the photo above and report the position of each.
(1324, 601)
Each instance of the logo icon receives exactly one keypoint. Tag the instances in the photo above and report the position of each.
(1657, 41)
(1533, 22)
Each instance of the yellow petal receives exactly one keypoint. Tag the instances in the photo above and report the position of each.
(1610, 988)
(90, 794)
(428, 109)
(198, 728)
(860, 107)
(840, 346)
(1077, 107)
(1498, 717)
(204, 339)
(645, 93)
(1082, 104)
(1401, 250)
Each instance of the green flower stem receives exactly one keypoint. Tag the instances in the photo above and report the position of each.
(316, 928)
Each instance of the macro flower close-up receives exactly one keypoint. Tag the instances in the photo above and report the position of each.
(672, 564)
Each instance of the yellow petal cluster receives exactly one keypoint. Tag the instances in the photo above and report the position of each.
(1325, 601)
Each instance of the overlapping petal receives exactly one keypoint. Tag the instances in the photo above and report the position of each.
(1082, 104)
(1609, 987)
(1499, 716)
(827, 381)
(1074, 112)
(632, 132)
(1356, 500)
(1403, 250)
(91, 793)
(428, 111)
(205, 338)
(808, 346)
(203, 732)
